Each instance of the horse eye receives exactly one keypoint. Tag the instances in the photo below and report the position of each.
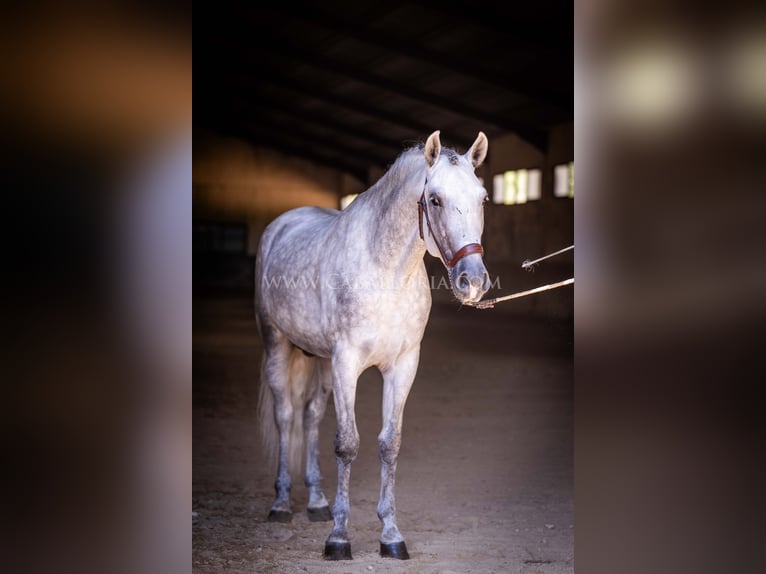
(435, 201)
(486, 199)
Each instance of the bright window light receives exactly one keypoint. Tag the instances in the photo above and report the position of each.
(533, 184)
(497, 188)
(563, 180)
(516, 186)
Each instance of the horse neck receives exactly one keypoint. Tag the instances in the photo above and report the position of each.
(391, 218)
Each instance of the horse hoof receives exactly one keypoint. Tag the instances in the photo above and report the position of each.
(321, 514)
(280, 516)
(337, 551)
(396, 550)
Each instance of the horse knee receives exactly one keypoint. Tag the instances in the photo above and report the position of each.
(346, 447)
(388, 449)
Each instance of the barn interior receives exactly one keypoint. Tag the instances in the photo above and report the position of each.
(308, 104)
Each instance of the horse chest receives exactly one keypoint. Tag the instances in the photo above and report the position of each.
(386, 328)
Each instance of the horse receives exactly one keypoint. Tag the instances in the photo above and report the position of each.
(337, 292)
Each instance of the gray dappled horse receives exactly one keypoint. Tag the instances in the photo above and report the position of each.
(340, 291)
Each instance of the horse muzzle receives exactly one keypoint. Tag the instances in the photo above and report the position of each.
(470, 280)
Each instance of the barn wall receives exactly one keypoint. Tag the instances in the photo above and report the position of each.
(236, 182)
(238, 190)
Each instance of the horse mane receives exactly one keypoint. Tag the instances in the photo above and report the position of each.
(402, 167)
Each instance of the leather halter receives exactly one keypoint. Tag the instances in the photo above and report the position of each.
(468, 249)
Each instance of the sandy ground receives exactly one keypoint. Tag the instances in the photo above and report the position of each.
(485, 480)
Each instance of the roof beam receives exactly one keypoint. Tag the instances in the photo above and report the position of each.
(534, 136)
(322, 120)
(307, 137)
(418, 129)
(523, 36)
(360, 30)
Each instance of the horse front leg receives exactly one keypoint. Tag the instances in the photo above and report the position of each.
(397, 381)
(344, 376)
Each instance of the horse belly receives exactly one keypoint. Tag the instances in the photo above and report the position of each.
(300, 320)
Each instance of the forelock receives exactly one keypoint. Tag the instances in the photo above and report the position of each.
(452, 156)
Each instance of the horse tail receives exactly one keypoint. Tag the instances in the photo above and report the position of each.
(301, 373)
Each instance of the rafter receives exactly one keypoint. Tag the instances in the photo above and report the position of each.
(511, 27)
(297, 130)
(360, 30)
(324, 120)
(417, 128)
(281, 48)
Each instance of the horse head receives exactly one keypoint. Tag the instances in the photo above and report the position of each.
(451, 215)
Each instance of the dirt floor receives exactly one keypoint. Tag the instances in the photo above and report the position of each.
(485, 479)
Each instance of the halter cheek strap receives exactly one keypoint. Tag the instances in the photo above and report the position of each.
(468, 249)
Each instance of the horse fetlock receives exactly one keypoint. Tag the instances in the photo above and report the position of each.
(340, 515)
(313, 480)
(317, 499)
(338, 535)
(283, 486)
(391, 535)
(385, 511)
(281, 505)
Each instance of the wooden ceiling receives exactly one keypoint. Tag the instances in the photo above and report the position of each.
(350, 84)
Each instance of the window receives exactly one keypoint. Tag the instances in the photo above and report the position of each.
(563, 180)
(347, 199)
(517, 186)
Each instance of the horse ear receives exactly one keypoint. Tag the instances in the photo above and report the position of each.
(433, 148)
(478, 150)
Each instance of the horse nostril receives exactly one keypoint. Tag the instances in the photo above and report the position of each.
(463, 283)
(486, 284)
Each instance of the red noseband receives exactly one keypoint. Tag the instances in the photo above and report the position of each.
(469, 249)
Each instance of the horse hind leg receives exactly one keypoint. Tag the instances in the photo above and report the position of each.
(284, 373)
(318, 507)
